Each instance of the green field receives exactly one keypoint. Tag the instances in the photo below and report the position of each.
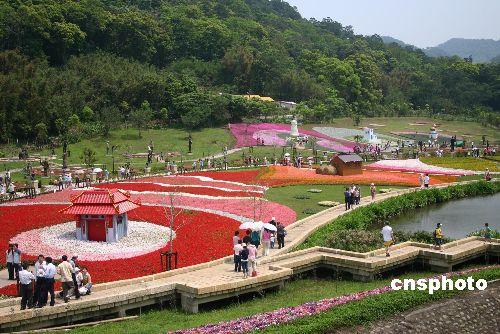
(469, 163)
(293, 197)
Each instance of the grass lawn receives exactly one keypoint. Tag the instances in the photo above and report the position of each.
(294, 293)
(292, 196)
(473, 131)
(469, 163)
(205, 142)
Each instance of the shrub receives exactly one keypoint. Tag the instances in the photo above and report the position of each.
(376, 213)
(326, 170)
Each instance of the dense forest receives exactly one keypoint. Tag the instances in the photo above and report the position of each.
(82, 67)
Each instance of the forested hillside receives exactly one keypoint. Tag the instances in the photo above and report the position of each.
(85, 66)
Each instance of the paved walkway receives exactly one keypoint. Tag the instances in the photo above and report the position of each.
(471, 312)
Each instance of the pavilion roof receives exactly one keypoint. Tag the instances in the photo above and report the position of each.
(101, 202)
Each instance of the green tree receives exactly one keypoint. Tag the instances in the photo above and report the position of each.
(88, 157)
(141, 117)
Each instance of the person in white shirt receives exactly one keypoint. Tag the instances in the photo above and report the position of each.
(388, 236)
(48, 286)
(427, 181)
(237, 258)
(25, 287)
(86, 282)
(40, 267)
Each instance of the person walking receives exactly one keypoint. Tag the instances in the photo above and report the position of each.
(255, 238)
(388, 236)
(65, 270)
(26, 279)
(9, 255)
(236, 238)
(48, 284)
(244, 260)
(280, 233)
(347, 198)
(237, 257)
(266, 242)
(252, 259)
(421, 180)
(427, 181)
(438, 236)
(373, 191)
(40, 267)
(487, 232)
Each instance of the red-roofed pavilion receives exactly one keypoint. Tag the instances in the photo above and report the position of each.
(101, 214)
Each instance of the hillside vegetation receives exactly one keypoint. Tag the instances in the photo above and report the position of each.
(79, 68)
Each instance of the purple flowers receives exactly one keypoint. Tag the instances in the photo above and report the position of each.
(287, 314)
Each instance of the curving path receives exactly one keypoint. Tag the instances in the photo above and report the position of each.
(216, 280)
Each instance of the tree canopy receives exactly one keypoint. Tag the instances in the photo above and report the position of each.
(102, 59)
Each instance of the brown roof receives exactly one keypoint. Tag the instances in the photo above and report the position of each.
(347, 158)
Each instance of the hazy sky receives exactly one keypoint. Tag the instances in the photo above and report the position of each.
(419, 22)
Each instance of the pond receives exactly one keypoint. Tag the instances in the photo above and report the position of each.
(459, 218)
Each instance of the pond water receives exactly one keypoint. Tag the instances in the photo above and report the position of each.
(459, 218)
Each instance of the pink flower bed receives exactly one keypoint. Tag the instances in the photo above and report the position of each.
(276, 134)
(416, 166)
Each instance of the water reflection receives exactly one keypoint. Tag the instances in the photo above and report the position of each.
(459, 218)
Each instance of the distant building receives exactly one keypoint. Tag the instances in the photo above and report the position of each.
(287, 105)
(369, 135)
(348, 164)
(258, 97)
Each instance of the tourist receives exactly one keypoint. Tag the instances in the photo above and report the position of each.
(373, 191)
(40, 267)
(236, 237)
(86, 282)
(9, 255)
(487, 175)
(421, 180)
(438, 236)
(487, 232)
(427, 181)
(273, 239)
(388, 236)
(77, 181)
(73, 260)
(357, 194)
(255, 238)
(266, 242)
(25, 286)
(106, 175)
(17, 260)
(247, 239)
(244, 260)
(252, 259)
(281, 233)
(347, 198)
(11, 190)
(237, 258)
(48, 286)
(65, 270)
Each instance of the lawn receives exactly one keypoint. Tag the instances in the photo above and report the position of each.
(469, 163)
(294, 293)
(473, 131)
(305, 203)
(205, 142)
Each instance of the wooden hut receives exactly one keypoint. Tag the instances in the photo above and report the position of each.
(348, 164)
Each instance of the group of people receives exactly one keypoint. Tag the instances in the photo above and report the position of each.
(352, 195)
(35, 286)
(7, 187)
(246, 248)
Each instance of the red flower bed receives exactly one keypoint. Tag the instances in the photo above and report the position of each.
(180, 189)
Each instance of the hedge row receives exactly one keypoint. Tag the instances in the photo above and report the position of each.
(376, 213)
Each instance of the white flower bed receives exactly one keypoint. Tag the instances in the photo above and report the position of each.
(417, 166)
(58, 240)
(339, 132)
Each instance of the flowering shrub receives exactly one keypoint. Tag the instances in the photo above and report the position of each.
(276, 134)
(416, 166)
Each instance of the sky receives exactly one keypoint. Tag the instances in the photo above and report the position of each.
(422, 23)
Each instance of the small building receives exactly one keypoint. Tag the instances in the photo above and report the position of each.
(348, 164)
(287, 105)
(101, 214)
